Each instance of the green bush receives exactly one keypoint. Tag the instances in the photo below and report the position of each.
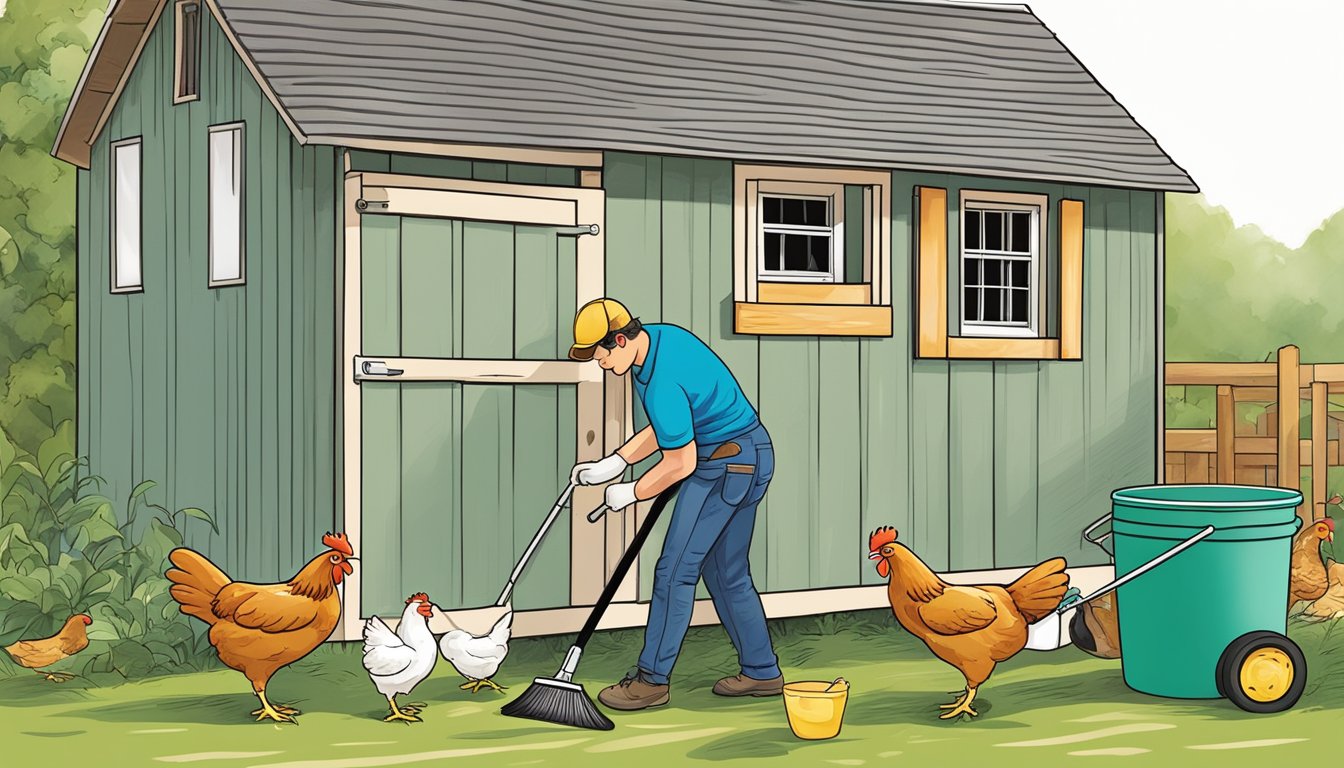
(64, 550)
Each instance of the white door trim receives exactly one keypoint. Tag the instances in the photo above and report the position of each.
(479, 201)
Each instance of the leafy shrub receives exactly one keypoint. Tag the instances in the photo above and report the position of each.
(64, 550)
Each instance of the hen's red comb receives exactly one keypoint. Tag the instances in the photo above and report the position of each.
(338, 542)
(421, 596)
(1329, 523)
(881, 537)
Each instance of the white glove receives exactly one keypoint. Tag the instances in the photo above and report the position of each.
(598, 472)
(619, 496)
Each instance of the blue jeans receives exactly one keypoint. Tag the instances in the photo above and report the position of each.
(710, 536)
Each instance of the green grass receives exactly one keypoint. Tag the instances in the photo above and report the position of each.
(891, 718)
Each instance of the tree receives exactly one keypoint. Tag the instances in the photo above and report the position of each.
(43, 47)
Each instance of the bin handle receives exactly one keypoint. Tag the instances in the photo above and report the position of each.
(1087, 534)
(1137, 572)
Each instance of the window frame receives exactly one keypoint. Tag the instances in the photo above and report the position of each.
(859, 306)
(1038, 205)
(239, 165)
(114, 211)
(178, 37)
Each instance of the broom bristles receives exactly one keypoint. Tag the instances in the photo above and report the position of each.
(559, 702)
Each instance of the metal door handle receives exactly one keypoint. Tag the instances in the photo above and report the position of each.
(582, 229)
(379, 368)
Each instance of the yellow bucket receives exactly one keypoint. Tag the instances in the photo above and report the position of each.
(815, 708)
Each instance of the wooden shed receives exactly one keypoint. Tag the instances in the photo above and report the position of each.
(330, 252)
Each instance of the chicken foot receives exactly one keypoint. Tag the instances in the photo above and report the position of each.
(962, 706)
(476, 685)
(278, 714)
(405, 716)
(56, 677)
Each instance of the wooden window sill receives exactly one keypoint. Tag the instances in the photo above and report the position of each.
(794, 319)
(1002, 349)
(851, 294)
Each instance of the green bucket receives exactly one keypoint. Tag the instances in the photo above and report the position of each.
(1177, 619)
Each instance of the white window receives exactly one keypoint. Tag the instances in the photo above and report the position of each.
(126, 256)
(226, 205)
(1001, 265)
(801, 232)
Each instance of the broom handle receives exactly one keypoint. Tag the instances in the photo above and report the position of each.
(623, 567)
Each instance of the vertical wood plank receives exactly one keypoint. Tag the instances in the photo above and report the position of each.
(971, 480)
(380, 285)
(430, 518)
(932, 310)
(1226, 429)
(425, 317)
(380, 551)
(487, 313)
(929, 461)
(838, 540)
(487, 490)
(1071, 279)
(1015, 461)
(789, 388)
(536, 443)
(1287, 470)
(1319, 444)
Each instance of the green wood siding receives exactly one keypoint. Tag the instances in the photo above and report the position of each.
(977, 463)
(225, 396)
(461, 168)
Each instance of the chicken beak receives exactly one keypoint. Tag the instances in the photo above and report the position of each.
(874, 555)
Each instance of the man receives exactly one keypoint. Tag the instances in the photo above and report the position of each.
(711, 439)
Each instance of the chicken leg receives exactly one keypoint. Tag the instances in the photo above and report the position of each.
(476, 685)
(962, 706)
(399, 715)
(56, 677)
(280, 714)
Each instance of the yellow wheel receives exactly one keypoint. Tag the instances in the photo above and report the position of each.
(1262, 672)
(1266, 674)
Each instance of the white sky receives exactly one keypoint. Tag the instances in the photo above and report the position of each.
(1243, 94)
(1246, 96)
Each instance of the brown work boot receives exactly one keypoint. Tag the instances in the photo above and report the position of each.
(741, 685)
(634, 693)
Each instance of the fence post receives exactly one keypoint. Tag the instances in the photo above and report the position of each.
(1226, 425)
(1320, 441)
(1289, 468)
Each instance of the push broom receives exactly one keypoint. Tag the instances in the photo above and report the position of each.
(559, 699)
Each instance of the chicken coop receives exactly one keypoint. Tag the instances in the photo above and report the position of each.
(1274, 424)
(324, 284)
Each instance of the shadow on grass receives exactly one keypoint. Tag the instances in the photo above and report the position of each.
(762, 742)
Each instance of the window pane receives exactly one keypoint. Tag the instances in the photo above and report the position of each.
(821, 253)
(972, 273)
(816, 213)
(993, 310)
(226, 261)
(993, 272)
(795, 211)
(970, 304)
(993, 230)
(773, 246)
(1020, 270)
(126, 208)
(971, 222)
(771, 210)
(1019, 309)
(1021, 232)
(190, 47)
(795, 253)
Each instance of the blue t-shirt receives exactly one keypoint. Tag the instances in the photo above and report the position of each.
(687, 391)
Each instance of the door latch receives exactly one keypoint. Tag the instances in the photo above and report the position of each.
(582, 229)
(379, 368)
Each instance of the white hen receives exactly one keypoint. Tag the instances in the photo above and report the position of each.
(478, 658)
(398, 661)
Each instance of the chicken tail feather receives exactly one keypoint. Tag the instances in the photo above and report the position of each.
(196, 582)
(1040, 590)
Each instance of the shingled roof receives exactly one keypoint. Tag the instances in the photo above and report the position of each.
(976, 89)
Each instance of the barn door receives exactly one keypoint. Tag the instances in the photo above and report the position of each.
(469, 412)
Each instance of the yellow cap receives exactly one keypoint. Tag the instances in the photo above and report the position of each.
(593, 322)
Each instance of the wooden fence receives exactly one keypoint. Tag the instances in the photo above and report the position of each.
(1270, 451)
